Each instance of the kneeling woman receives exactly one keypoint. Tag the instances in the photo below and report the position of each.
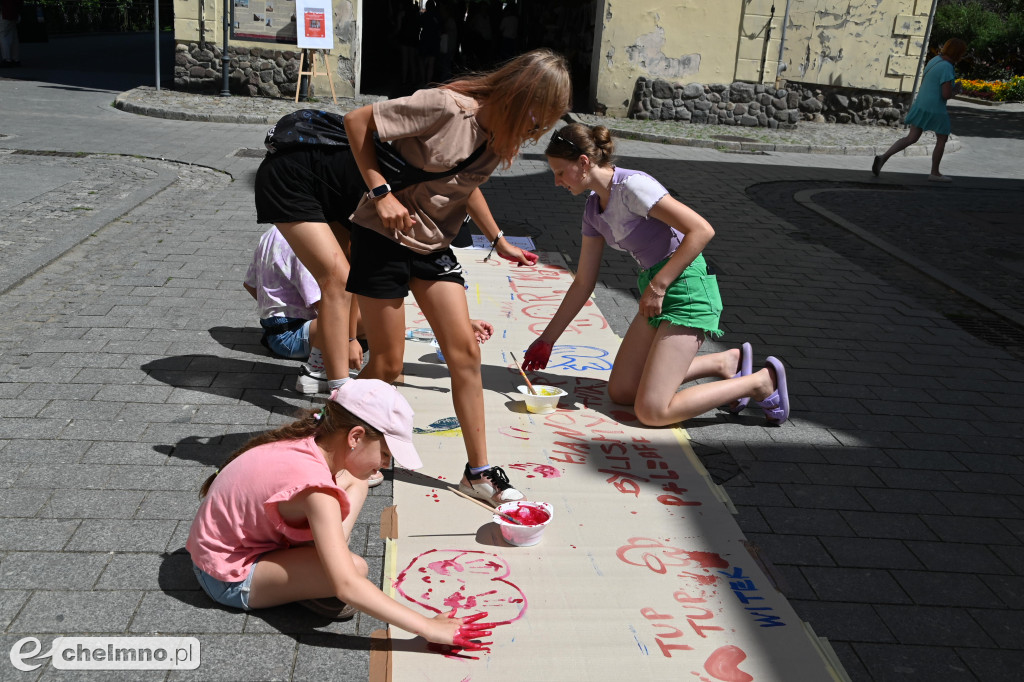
(679, 305)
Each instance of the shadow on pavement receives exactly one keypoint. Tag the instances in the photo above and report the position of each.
(992, 122)
(84, 61)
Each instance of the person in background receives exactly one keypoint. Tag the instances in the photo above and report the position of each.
(10, 48)
(929, 112)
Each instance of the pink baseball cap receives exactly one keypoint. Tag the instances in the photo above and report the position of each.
(380, 405)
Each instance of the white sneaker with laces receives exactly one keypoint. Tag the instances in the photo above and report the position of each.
(491, 486)
(311, 381)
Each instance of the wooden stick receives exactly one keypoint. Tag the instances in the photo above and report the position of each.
(487, 507)
(528, 384)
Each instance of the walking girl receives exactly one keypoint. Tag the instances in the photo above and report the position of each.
(928, 112)
(401, 239)
(680, 305)
(274, 523)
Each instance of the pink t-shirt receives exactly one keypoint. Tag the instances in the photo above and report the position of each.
(238, 520)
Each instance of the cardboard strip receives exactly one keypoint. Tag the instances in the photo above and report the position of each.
(389, 523)
(380, 656)
(642, 570)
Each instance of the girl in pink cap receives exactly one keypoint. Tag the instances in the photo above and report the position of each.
(274, 522)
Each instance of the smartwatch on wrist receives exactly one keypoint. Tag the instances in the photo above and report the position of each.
(378, 192)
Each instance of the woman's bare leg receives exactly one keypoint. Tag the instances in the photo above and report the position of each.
(444, 305)
(899, 145)
(384, 323)
(319, 250)
(658, 400)
(940, 148)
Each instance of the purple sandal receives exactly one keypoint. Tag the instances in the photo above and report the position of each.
(776, 406)
(746, 368)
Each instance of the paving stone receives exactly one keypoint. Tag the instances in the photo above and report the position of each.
(997, 666)
(92, 504)
(100, 535)
(806, 521)
(44, 570)
(888, 525)
(149, 572)
(181, 505)
(892, 662)
(870, 553)
(21, 502)
(957, 529)
(946, 589)
(845, 621)
(11, 602)
(75, 611)
(39, 534)
(184, 612)
(864, 585)
(933, 626)
(826, 496)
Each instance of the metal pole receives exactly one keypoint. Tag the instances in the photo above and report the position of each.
(156, 38)
(924, 52)
(225, 88)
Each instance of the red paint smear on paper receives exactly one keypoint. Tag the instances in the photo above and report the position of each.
(480, 584)
(545, 470)
(723, 663)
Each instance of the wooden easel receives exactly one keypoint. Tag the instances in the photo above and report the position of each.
(313, 72)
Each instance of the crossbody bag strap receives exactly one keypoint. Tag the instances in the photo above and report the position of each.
(415, 175)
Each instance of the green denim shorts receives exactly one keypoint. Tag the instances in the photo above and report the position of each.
(691, 301)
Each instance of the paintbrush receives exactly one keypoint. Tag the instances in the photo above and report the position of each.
(488, 508)
(528, 384)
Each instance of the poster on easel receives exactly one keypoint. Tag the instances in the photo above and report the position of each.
(269, 21)
(314, 19)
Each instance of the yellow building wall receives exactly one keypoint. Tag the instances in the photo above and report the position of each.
(682, 41)
(189, 15)
(870, 44)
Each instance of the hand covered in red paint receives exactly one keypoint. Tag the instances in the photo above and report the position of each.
(537, 355)
(464, 633)
(515, 254)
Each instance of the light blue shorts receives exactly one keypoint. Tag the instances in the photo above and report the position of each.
(288, 343)
(235, 595)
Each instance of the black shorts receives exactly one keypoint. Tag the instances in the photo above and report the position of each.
(318, 185)
(382, 268)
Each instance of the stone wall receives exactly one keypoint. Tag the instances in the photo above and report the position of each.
(253, 71)
(757, 105)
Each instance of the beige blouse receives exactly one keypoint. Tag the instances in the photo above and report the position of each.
(434, 130)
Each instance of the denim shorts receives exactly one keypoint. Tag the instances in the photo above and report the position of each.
(290, 343)
(235, 595)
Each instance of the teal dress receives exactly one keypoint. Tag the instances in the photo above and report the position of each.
(928, 111)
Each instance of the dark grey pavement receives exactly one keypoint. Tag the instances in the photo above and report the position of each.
(891, 506)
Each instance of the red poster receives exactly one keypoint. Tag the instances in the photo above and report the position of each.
(314, 21)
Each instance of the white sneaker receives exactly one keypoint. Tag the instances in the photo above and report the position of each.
(490, 486)
(310, 381)
(939, 178)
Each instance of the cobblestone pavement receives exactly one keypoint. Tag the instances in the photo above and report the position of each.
(891, 507)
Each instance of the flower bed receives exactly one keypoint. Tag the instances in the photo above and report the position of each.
(1011, 90)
